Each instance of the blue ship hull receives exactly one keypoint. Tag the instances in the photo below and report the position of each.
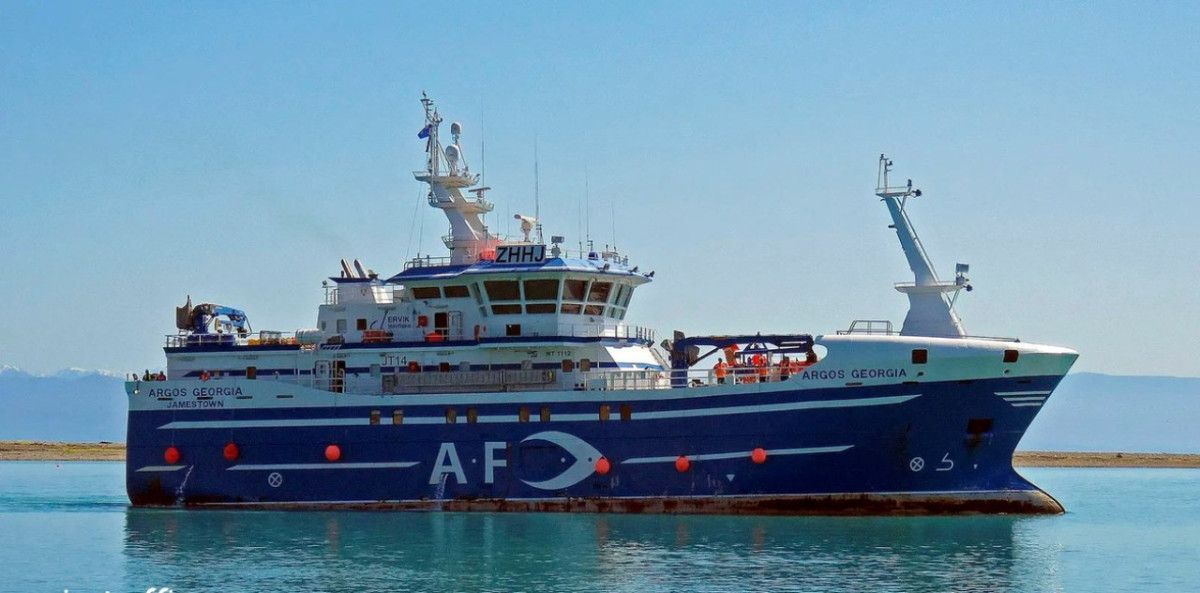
(906, 449)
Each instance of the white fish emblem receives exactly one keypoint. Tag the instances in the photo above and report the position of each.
(585, 459)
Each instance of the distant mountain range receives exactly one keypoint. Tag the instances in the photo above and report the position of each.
(72, 405)
(1088, 412)
(1094, 412)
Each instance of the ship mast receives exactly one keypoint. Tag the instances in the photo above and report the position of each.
(447, 173)
(930, 311)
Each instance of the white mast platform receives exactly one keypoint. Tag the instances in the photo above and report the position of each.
(447, 173)
(930, 311)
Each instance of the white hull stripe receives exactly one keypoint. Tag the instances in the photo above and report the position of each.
(1005, 393)
(740, 454)
(513, 418)
(287, 466)
(161, 468)
(1027, 405)
(1032, 398)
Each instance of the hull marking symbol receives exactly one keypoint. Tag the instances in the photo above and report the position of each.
(917, 464)
(585, 459)
(275, 479)
(947, 463)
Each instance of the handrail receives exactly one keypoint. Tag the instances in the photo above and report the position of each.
(623, 331)
(262, 338)
(269, 338)
(474, 255)
(872, 327)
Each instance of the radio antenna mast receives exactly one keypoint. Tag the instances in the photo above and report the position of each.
(537, 191)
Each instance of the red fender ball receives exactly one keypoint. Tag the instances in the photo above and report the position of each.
(759, 455)
(171, 455)
(603, 466)
(682, 464)
(333, 452)
(231, 451)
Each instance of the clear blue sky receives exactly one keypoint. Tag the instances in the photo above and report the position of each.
(235, 151)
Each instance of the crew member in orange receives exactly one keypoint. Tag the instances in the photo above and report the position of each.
(720, 370)
(785, 369)
(760, 361)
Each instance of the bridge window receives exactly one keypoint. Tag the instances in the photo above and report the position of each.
(457, 291)
(571, 309)
(540, 308)
(503, 290)
(427, 292)
(541, 290)
(593, 310)
(628, 295)
(506, 309)
(573, 290)
(599, 292)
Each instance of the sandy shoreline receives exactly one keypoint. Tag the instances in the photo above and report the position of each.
(46, 451)
(49, 451)
(1108, 459)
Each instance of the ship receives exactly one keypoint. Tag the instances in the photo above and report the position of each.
(504, 377)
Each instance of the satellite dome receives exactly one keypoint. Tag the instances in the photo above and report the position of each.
(452, 153)
(455, 128)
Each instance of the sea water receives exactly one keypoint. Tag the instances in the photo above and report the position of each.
(68, 527)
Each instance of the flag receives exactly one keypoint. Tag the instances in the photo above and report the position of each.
(424, 133)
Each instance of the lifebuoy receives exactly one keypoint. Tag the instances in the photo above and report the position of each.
(414, 367)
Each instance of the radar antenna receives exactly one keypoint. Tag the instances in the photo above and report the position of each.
(447, 173)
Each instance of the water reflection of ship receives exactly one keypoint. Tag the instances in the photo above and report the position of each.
(345, 551)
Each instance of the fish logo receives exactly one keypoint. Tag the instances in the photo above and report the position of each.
(585, 459)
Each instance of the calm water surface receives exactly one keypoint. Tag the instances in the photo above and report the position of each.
(68, 527)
